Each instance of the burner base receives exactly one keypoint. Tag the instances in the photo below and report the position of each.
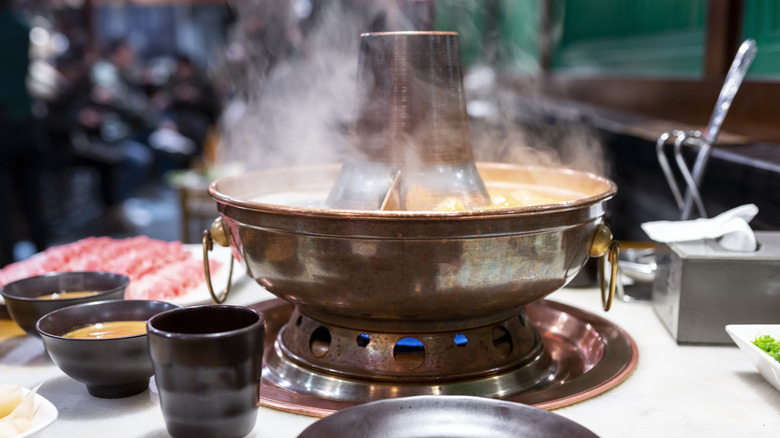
(308, 349)
(575, 342)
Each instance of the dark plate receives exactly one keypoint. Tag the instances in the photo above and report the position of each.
(431, 416)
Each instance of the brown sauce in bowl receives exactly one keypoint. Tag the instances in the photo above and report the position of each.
(109, 329)
(65, 295)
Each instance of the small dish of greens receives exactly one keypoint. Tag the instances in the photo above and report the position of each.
(769, 344)
(761, 344)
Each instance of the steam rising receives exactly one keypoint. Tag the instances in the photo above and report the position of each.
(293, 70)
(522, 131)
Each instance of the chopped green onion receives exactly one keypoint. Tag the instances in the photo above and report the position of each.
(770, 345)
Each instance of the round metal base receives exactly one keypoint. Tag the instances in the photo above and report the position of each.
(306, 348)
(574, 342)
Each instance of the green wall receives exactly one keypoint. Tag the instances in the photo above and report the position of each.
(503, 33)
(762, 23)
(649, 38)
(635, 37)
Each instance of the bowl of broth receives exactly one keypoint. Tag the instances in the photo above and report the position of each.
(30, 298)
(103, 344)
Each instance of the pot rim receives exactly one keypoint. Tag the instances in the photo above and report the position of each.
(611, 190)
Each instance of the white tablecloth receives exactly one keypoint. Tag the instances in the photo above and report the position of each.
(674, 391)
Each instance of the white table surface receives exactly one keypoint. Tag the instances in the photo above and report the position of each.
(675, 391)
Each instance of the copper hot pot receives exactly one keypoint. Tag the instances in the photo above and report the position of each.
(392, 296)
(414, 271)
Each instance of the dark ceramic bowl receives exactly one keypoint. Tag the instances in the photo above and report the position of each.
(110, 367)
(25, 308)
(434, 416)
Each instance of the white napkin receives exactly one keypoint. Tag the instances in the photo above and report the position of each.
(731, 227)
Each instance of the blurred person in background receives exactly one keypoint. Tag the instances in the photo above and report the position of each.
(20, 154)
(112, 125)
(190, 109)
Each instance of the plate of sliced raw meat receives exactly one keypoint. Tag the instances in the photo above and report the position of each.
(158, 270)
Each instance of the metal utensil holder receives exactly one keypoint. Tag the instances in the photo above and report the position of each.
(703, 141)
(693, 177)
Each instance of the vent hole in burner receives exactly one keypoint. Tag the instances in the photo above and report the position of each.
(409, 353)
(320, 342)
(461, 340)
(299, 321)
(363, 340)
(502, 341)
(522, 320)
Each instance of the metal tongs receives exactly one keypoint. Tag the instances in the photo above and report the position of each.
(703, 141)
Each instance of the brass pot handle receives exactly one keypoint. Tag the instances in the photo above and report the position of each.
(216, 234)
(606, 249)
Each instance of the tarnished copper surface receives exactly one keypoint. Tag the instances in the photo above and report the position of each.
(421, 272)
(411, 125)
(591, 354)
(356, 365)
(412, 105)
(433, 358)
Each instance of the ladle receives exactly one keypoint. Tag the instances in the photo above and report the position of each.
(392, 199)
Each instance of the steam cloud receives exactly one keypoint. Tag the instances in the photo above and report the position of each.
(294, 76)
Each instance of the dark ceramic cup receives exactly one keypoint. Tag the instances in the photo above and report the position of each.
(207, 365)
